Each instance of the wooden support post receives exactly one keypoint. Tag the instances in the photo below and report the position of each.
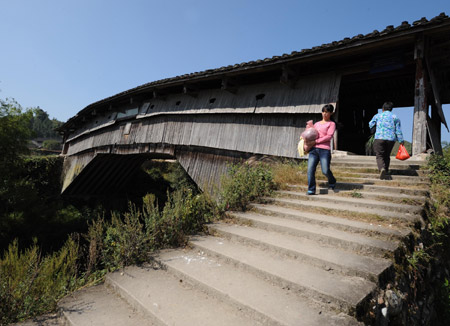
(336, 118)
(189, 90)
(434, 129)
(229, 85)
(159, 95)
(419, 141)
(288, 76)
(436, 88)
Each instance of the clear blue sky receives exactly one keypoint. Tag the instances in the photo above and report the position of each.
(63, 55)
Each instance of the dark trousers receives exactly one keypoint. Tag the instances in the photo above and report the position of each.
(383, 149)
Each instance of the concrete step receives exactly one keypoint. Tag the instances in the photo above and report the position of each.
(167, 300)
(333, 199)
(376, 175)
(344, 293)
(396, 183)
(381, 196)
(344, 208)
(411, 163)
(373, 168)
(266, 302)
(423, 173)
(312, 252)
(322, 233)
(386, 189)
(381, 231)
(98, 305)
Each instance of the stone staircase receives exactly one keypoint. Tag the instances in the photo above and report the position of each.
(294, 260)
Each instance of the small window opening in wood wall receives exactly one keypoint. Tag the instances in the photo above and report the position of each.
(126, 130)
(128, 113)
(178, 103)
(260, 96)
(212, 100)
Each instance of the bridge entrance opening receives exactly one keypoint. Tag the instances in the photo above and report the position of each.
(360, 98)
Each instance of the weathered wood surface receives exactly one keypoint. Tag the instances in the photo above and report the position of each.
(204, 134)
(258, 134)
(308, 96)
(420, 101)
(436, 88)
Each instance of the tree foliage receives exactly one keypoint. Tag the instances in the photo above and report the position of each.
(15, 134)
(29, 186)
(43, 126)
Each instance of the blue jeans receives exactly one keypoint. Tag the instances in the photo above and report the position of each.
(324, 155)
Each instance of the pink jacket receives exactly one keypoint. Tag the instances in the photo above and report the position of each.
(326, 132)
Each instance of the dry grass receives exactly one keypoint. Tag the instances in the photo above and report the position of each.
(289, 173)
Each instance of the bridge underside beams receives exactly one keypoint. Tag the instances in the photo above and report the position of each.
(106, 174)
(206, 167)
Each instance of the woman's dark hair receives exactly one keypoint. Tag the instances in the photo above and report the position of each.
(387, 106)
(328, 108)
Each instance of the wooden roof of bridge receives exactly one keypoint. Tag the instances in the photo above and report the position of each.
(345, 54)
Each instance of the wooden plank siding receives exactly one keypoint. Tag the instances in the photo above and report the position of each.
(265, 134)
(204, 127)
(236, 125)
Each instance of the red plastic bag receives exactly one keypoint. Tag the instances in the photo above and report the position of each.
(402, 153)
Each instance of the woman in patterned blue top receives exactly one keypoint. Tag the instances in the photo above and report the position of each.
(388, 131)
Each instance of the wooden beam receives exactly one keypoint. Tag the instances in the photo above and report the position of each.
(190, 90)
(288, 76)
(159, 95)
(229, 85)
(419, 141)
(436, 88)
(434, 130)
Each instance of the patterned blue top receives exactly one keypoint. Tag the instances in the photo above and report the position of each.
(388, 126)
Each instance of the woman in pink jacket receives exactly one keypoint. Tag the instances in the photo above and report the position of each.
(321, 150)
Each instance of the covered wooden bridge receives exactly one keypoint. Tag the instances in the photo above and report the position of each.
(206, 119)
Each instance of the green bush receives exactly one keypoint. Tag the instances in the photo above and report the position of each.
(443, 302)
(426, 275)
(245, 183)
(184, 213)
(128, 238)
(52, 144)
(439, 167)
(125, 241)
(30, 284)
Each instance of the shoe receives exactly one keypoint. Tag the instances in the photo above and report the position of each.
(310, 193)
(383, 174)
(332, 187)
